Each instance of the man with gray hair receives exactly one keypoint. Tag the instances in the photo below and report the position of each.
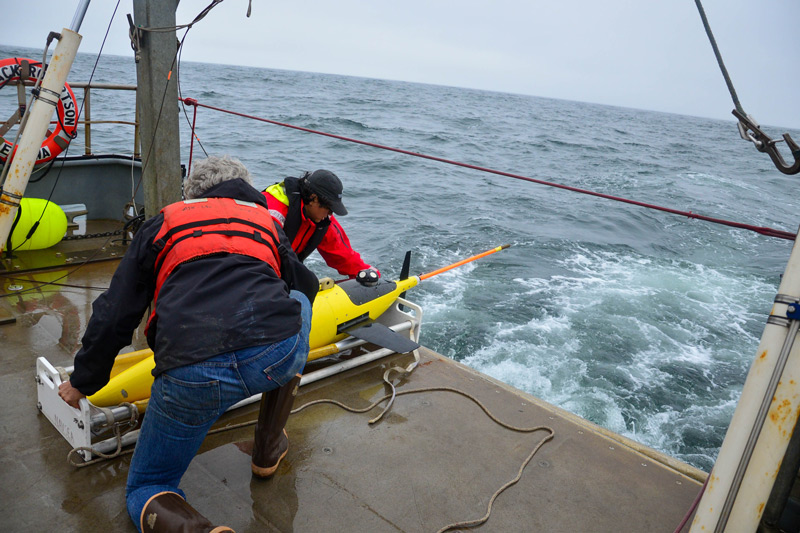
(231, 314)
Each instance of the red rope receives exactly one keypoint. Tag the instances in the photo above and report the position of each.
(192, 102)
(693, 506)
(770, 232)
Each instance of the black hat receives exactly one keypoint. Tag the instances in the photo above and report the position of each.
(328, 187)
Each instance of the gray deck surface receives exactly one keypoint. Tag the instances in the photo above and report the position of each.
(435, 459)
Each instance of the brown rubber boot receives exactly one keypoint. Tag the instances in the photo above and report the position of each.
(168, 512)
(271, 441)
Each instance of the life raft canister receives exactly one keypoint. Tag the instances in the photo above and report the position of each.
(57, 139)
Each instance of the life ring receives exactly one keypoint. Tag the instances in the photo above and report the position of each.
(58, 138)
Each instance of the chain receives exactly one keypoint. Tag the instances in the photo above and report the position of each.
(93, 235)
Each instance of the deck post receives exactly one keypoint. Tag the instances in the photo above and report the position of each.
(766, 415)
(157, 103)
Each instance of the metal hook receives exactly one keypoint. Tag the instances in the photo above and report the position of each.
(763, 143)
(135, 35)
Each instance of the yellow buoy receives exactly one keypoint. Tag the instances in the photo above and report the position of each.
(50, 230)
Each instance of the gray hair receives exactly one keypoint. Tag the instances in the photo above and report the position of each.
(209, 172)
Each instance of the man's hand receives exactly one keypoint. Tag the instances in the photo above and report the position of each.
(70, 394)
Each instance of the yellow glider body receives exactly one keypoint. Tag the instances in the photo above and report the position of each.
(336, 309)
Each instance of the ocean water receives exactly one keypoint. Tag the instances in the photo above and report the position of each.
(642, 322)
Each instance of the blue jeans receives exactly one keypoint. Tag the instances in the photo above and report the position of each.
(186, 401)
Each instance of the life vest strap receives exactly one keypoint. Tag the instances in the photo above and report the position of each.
(211, 222)
(255, 235)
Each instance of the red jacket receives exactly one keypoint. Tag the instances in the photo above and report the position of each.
(334, 247)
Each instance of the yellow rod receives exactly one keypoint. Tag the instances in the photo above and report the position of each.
(462, 262)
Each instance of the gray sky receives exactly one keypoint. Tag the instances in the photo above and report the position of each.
(648, 54)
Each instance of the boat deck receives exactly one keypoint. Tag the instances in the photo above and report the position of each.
(435, 459)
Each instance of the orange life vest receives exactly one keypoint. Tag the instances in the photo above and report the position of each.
(196, 228)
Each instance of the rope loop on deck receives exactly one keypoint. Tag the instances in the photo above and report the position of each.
(511, 482)
(462, 524)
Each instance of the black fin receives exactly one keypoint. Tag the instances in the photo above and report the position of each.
(404, 273)
(381, 335)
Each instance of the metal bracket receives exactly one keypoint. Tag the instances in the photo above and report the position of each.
(73, 424)
(80, 426)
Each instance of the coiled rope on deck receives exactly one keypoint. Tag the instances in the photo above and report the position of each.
(511, 482)
(357, 410)
(769, 232)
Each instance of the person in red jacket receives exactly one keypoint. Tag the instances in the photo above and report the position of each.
(304, 208)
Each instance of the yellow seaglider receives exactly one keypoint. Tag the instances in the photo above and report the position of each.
(336, 309)
(333, 307)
